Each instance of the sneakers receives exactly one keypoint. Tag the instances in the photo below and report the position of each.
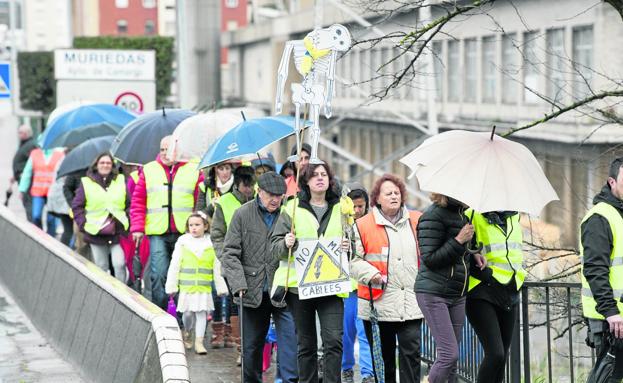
(348, 376)
(368, 379)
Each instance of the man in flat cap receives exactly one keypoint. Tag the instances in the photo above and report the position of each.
(249, 268)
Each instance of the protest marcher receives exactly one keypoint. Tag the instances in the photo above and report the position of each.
(291, 182)
(317, 214)
(71, 184)
(163, 199)
(441, 284)
(26, 144)
(191, 273)
(57, 206)
(601, 257)
(101, 208)
(225, 324)
(218, 181)
(386, 266)
(249, 267)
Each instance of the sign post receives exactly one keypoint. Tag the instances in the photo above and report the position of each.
(121, 77)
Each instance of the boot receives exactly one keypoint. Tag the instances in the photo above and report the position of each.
(218, 332)
(231, 330)
(199, 349)
(187, 337)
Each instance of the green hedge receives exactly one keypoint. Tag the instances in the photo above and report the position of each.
(164, 55)
(36, 81)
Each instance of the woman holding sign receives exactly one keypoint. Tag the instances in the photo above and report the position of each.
(385, 265)
(309, 229)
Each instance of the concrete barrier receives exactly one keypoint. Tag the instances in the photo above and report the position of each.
(105, 329)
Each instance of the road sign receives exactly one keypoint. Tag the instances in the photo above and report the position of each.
(131, 101)
(5, 80)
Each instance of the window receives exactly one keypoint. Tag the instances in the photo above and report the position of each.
(122, 27)
(149, 3)
(471, 75)
(150, 27)
(555, 64)
(121, 3)
(489, 70)
(582, 61)
(454, 76)
(231, 3)
(509, 69)
(438, 69)
(530, 69)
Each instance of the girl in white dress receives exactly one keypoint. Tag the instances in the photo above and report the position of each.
(192, 272)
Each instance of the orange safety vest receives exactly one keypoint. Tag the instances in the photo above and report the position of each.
(43, 172)
(376, 249)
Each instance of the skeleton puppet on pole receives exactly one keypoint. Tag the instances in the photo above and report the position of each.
(314, 58)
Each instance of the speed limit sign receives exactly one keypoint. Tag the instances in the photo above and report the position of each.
(130, 101)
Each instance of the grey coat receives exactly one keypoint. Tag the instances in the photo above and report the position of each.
(247, 262)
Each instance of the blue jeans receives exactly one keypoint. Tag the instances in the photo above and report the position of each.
(38, 203)
(160, 251)
(353, 329)
(255, 324)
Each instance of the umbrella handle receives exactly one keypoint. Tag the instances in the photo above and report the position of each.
(476, 250)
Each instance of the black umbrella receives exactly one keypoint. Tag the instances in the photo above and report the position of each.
(77, 136)
(139, 141)
(83, 155)
(137, 269)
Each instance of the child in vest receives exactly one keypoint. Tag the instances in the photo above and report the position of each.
(191, 272)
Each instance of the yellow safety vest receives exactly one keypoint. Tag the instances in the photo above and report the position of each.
(229, 204)
(182, 197)
(196, 271)
(589, 304)
(100, 203)
(504, 254)
(306, 227)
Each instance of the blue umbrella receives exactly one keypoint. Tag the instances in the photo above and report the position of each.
(82, 116)
(248, 137)
(139, 141)
(82, 156)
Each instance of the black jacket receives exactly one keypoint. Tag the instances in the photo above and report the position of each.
(72, 183)
(21, 157)
(444, 266)
(597, 242)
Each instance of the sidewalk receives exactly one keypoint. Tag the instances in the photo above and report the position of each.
(25, 355)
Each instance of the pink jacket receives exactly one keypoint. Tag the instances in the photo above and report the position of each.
(138, 207)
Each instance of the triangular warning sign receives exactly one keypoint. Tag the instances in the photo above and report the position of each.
(322, 268)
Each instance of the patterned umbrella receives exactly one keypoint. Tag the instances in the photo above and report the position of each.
(377, 353)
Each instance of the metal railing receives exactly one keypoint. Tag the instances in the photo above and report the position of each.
(548, 343)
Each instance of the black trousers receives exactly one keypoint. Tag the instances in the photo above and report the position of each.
(331, 314)
(494, 327)
(602, 346)
(409, 355)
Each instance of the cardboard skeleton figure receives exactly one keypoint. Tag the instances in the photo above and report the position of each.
(314, 58)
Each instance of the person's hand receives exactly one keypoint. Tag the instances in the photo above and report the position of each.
(377, 279)
(345, 245)
(137, 237)
(11, 180)
(616, 325)
(242, 292)
(290, 239)
(480, 260)
(466, 234)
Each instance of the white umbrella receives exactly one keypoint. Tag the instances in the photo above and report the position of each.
(483, 170)
(67, 108)
(193, 136)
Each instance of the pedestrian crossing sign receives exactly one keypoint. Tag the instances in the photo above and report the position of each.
(322, 268)
(5, 79)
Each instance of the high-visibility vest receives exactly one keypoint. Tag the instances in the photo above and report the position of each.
(306, 226)
(134, 175)
(376, 249)
(229, 204)
(181, 202)
(589, 304)
(43, 171)
(100, 203)
(196, 271)
(502, 251)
